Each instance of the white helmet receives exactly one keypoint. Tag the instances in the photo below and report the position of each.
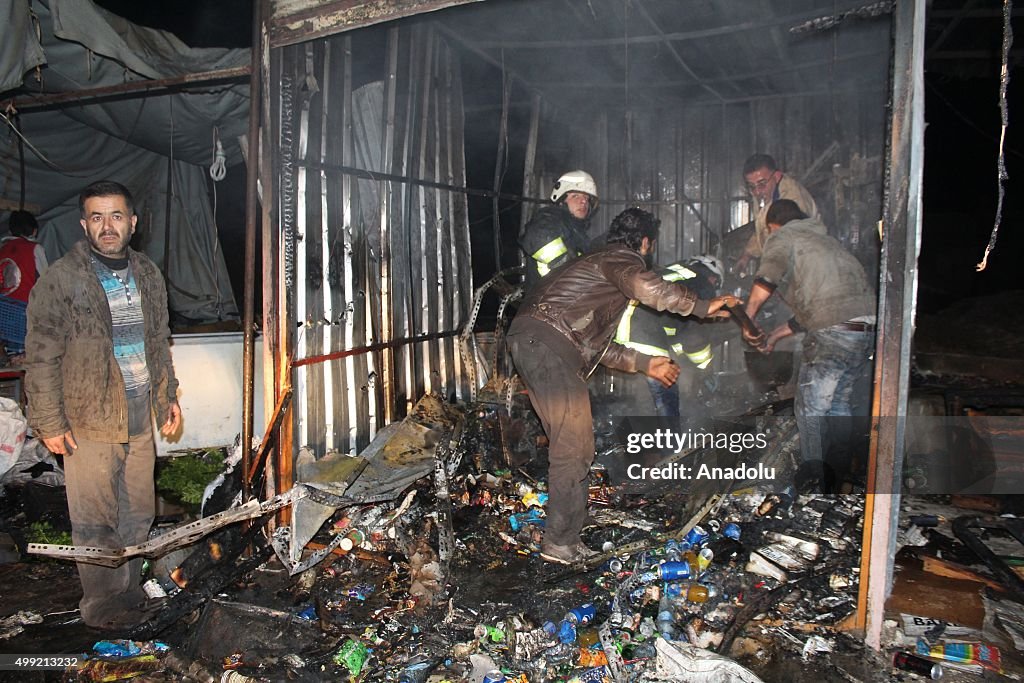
(712, 264)
(575, 181)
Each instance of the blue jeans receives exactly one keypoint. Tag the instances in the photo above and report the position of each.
(666, 399)
(832, 362)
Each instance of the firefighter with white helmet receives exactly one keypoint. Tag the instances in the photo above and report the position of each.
(558, 234)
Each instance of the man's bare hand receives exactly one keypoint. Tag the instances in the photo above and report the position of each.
(173, 420)
(664, 370)
(719, 303)
(755, 340)
(59, 445)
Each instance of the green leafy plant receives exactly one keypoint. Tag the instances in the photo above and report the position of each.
(44, 532)
(185, 477)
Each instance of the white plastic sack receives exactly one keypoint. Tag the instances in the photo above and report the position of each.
(679, 661)
(36, 464)
(13, 428)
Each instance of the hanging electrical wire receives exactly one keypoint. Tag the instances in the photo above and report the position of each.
(1004, 116)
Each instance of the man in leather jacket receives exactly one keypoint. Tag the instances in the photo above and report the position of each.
(564, 328)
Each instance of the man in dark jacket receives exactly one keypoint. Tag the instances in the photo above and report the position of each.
(558, 234)
(832, 302)
(659, 333)
(98, 365)
(564, 328)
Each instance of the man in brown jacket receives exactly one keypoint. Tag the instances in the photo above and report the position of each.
(563, 330)
(98, 364)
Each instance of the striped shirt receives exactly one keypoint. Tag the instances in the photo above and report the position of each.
(129, 332)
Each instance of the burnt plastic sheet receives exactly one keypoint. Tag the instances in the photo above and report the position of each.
(399, 455)
(257, 632)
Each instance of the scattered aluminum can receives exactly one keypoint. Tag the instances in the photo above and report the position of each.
(697, 536)
(153, 589)
(704, 559)
(494, 676)
(582, 615)
(732, 531)
(919, 665)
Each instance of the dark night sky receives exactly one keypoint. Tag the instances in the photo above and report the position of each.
(960, 153)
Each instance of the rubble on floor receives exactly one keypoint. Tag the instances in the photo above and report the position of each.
(441, 580)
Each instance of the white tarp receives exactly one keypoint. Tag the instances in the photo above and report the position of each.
(155, 145)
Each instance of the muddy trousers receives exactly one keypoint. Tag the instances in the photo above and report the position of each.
(111, 501)
(562, 403)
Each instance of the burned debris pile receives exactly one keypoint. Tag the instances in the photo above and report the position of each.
(429, 570)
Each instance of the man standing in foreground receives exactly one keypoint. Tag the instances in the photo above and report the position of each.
(564, 328)
(832, 301)
(98, 364)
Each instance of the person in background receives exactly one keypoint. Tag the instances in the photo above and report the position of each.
(557, 234)
(22, 259)
(662, 334)
(97, 367)
(563, 330)
(766, 184)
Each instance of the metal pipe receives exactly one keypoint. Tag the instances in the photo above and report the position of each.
(386, 293)
(395, 177)
(137, 88)
(500, 164)
(381, 346)
(251, 213)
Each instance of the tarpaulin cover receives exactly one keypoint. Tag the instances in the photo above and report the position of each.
(152, 144)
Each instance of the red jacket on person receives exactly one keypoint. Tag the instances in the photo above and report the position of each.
(17, 267)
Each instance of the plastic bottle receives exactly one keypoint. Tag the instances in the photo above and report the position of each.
(521, 519)
(666, 618)
(690, 558)
(567, 631)
(688, 592)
